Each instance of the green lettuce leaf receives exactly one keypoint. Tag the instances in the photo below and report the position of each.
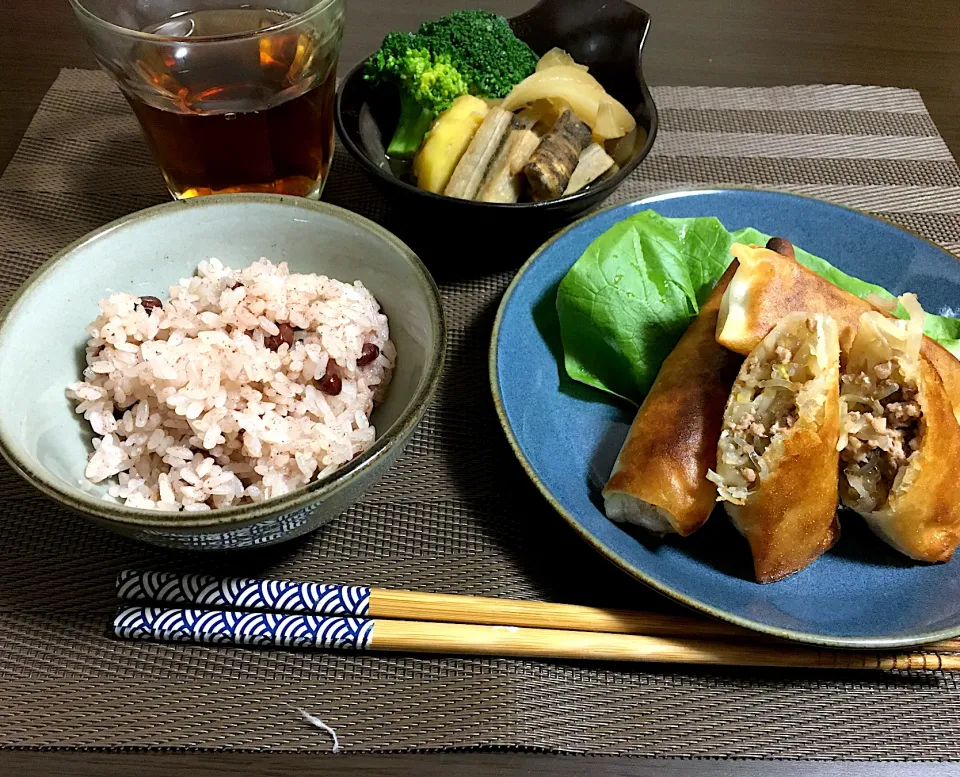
(626, 302)
(623, 304)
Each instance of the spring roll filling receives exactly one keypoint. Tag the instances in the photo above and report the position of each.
(882, 419)
(766, 404)
(882, 427)
(882, 424)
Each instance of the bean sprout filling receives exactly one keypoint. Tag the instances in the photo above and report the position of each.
(765, 408)
(880, 408)
(882, 425)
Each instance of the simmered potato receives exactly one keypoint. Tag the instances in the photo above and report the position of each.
(446, 142)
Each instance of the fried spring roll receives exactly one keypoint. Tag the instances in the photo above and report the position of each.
(899, 438)
(769, 285)
(777, 456)
(659, 479)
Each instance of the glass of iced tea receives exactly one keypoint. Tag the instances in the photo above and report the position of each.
(232, 96)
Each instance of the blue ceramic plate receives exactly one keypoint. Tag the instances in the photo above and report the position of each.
(567, 435)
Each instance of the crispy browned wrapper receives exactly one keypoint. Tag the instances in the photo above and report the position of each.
(790, 518)
(768, 286)
(923, 520)
(673, 440)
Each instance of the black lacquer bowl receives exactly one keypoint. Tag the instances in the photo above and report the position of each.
(467, 237)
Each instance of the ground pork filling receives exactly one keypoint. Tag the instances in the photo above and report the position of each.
(882, 424)
(765, 407)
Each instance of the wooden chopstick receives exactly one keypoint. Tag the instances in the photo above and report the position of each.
(451, 608)
(943, 646)
(311, 631)
(326, 599)
(408, 605)
(455, 638)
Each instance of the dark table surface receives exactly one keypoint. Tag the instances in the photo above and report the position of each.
(722, 42)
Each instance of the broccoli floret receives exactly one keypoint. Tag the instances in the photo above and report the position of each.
(465, 52)
(483, 47)
(427, 84)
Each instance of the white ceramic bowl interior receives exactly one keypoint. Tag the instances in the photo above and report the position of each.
(42, 338)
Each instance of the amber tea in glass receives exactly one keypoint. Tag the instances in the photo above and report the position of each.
(230, 98)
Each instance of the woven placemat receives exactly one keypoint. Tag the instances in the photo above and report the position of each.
(455, 514)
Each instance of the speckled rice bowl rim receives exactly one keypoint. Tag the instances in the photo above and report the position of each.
(316, 491)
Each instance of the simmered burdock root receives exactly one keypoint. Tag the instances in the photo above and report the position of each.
(899, 438)
(777, 455)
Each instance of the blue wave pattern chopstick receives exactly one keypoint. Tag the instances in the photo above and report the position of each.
(239, 593)
(223, 627)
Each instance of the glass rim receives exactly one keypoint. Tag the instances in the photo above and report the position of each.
(85, 13)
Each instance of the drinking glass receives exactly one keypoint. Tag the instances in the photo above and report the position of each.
(231, 96)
